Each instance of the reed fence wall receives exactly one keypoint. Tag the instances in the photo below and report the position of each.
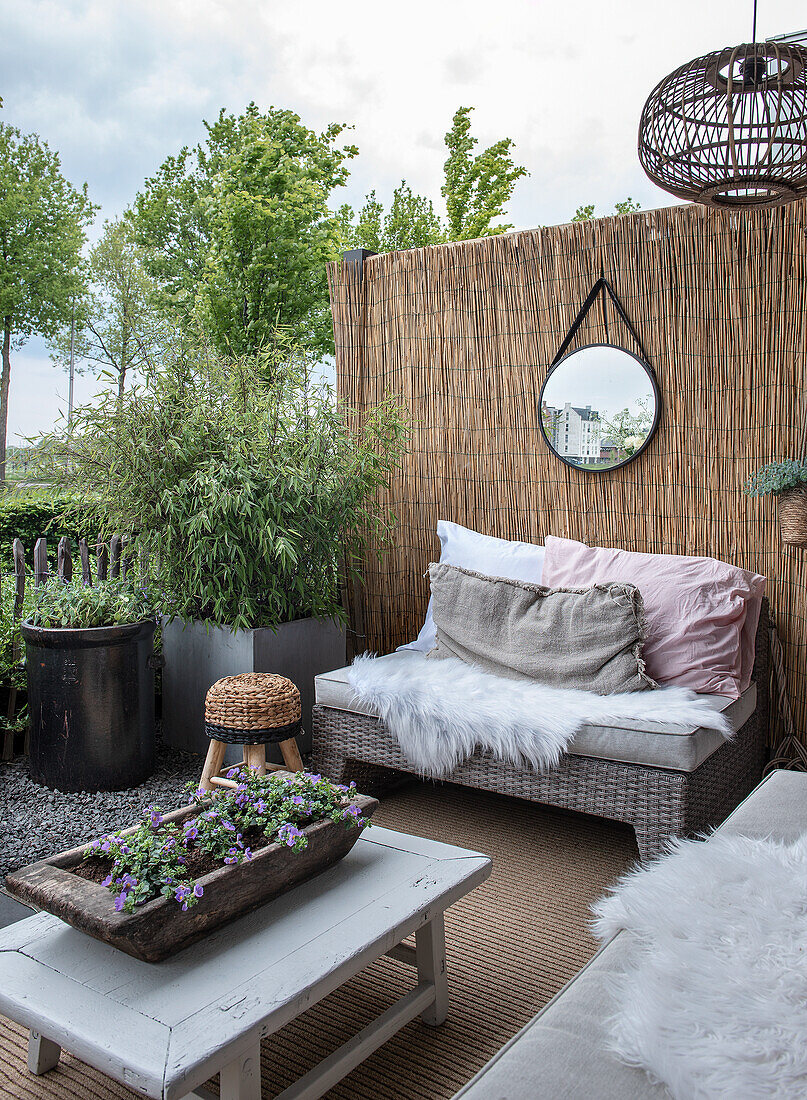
(464, 333)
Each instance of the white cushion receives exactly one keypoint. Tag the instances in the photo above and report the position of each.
(518, 561)
(654, 744)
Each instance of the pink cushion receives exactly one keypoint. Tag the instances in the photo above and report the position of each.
(702, 614)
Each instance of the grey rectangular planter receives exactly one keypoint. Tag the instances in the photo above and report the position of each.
(195, 658)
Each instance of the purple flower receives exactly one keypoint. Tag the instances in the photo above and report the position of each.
(354, 811)
(105, 846)
(197, 891)
(287, 834)
(120, 901)
(298, 800)
(232, 773)
(228, 825)
(247, 853)
(155, 817)
(108, 880)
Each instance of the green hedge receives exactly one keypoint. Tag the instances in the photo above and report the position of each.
(31, 519)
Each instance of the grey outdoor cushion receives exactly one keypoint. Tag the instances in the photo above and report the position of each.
(775, 810)
(562, 1052)
(654, 744)
(586, 638)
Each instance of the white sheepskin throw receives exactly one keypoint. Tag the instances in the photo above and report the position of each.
(442, 711)
(714, 1000)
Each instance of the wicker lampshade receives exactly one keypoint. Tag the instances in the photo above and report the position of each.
(730, 129)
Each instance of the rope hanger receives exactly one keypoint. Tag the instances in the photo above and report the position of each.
(603, 287)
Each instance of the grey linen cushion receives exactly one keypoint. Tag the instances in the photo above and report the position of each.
(586, 638)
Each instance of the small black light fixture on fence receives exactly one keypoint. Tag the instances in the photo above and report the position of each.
(729, 129)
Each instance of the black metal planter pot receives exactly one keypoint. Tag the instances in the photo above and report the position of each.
(91, 706)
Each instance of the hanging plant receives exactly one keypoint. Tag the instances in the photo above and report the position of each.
(788, 481)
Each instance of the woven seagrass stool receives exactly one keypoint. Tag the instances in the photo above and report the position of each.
(255, 709)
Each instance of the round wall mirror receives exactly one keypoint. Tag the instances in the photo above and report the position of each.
(600, 406)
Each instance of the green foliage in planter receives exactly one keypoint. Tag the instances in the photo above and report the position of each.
(250, 486)
(60, 603)
(12, 671)
(777, 477)
(153, 861)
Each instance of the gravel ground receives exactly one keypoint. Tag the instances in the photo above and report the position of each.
(36, 822)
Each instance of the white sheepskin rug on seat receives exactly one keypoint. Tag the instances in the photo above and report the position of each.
(442, 711)
(714, 1000)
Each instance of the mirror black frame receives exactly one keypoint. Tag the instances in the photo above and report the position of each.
(653, 427)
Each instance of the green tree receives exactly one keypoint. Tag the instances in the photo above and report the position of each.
(586, 213)
(237, 231)
(476, 189)
(627, 430)
(410, 223)
(42, 230)
(478, 186)
(120, 329)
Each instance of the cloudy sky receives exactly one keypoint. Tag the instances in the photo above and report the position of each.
(116, 85)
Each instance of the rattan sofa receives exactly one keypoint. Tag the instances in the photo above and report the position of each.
(688, 785)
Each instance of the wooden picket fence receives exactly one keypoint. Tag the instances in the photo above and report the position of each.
(112, 561)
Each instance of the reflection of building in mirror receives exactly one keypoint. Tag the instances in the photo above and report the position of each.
(586, 437)
(574, 433)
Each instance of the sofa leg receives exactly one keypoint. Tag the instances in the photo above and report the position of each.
(650, 840)
(329, 763)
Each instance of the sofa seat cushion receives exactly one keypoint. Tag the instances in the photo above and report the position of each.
(561, 1053)
(653, 744)
(775, 810)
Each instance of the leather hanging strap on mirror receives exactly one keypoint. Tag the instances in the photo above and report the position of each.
(602, 286)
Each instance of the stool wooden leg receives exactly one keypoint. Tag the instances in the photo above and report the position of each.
(255, 758)
(213, 763)
(291, 755)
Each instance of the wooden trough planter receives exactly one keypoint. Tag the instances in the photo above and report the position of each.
(159, 928)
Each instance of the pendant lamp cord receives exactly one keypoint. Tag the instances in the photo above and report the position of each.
(754, 30)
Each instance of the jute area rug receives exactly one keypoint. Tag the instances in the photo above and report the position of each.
(512, 944)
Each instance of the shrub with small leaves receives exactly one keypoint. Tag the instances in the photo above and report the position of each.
(59, 603)
(777, 477)
(153, 860)
(256, 490)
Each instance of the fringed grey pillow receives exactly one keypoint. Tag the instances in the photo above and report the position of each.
(586, 638)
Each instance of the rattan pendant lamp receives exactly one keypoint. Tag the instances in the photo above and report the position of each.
(730, 129)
